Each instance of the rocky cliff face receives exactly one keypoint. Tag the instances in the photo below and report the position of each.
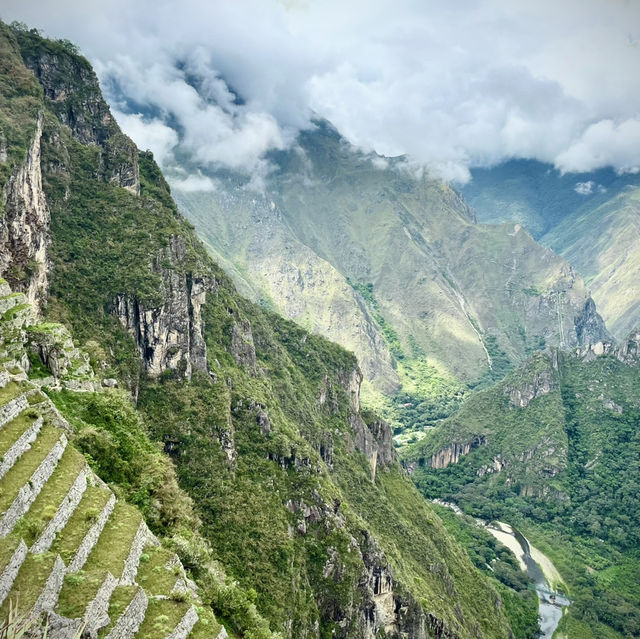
(73, 94)
(169, 335)
(541, 384)
(451, 454)
(168, 329)
(24, 227)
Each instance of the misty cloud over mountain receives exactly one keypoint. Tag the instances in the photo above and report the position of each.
(450, 85)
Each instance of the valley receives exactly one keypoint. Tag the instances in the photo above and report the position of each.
(332, 394)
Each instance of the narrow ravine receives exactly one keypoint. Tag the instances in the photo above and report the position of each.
(541, 570)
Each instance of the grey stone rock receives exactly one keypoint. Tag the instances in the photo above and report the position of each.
(49, 597)
(169, 336)
(128, 623)
(11, 570)
(95, 616)
(12, 409)
(133, 559)
(24, 227)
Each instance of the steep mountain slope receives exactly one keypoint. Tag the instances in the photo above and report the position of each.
(591, 219)
(603, 243)
(554, 449)
(391, 265)
(68, 546)
(300, 496)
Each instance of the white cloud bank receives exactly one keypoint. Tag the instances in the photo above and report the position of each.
(452, 85)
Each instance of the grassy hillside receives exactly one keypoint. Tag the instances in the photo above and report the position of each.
(603, 243)
(295, 493)
(554, 449)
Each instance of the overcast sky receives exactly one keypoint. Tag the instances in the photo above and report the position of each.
(451, 84)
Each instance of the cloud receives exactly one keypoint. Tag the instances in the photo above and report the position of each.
(452, 85)
(604, 143)
(152, 135)
(584, 188)
(196, 182)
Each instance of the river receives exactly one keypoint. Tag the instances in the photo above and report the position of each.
(536, 564)
(543, 573)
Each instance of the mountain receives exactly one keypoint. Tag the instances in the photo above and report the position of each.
(70, 545)
(591, 219)
(392, 265)
(237, 435)
(554, 450)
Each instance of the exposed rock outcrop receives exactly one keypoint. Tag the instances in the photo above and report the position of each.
(541, 384)
(24, 227)
(589, 325)
(629, 351)
(72, 90)
(371, 436)
(169, 334)
(451, 454)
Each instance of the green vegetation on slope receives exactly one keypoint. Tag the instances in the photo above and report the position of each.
(431, 284)
(564, 469)
(267, 438)
(588, 218)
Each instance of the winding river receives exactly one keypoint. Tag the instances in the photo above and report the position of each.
(541, 571)
(537, 565)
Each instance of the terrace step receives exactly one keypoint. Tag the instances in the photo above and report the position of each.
(126, 612)
(24, 481)
(77, 539)
(16, 437)
(36, 585)
(160, 571)
(117, 548)
(15, 553)
(113, 560)
(167, 619)
(207, 626)
(59, 498)
(13, 400)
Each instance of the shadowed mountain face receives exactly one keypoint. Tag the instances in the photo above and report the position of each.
(591, 219)
(392, 265)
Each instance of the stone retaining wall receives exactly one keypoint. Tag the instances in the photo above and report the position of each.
(20, 446)
(91, 537)
(11, 570)
(129, 622)
(131, 563)
(49, 596)
(32, 488)
(186, 624)
(65, 510)
(13, 408)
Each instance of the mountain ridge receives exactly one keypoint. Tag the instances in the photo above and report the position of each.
(301, 501)
(588, 218)
(338, 238)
